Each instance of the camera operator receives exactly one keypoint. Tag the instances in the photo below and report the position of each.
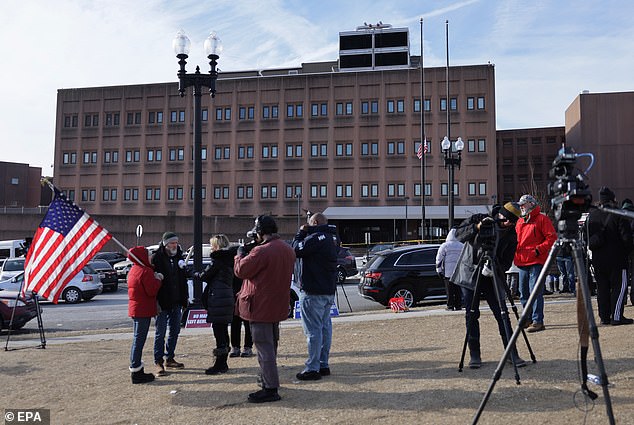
(496, 236)
(610, 240)
(266, 267)
(315, 246)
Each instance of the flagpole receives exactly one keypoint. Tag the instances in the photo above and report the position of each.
(423, 139)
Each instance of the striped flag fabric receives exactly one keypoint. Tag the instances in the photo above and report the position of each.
(421, 150)
(65, 241)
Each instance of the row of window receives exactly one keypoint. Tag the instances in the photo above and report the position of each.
(293, 110)
(267, 151)
(367, 190)
(520, 141)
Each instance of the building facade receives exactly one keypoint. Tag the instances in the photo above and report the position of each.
(20, 187)
(524, 158)
(603, 124)
(284, 142)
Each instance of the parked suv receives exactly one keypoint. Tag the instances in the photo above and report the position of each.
(107, 274)
(346, 264)
(407, 271)
(111, 257)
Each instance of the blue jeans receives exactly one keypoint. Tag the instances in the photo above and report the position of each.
(528, 278)
(315, 311)
(567, 269)
(141, 326)
(165, 318)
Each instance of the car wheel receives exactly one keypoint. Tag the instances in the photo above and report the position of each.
(115, 287)
(72, 295)
(341, 275)
(404, 291)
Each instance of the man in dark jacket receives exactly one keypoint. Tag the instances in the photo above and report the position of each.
(610, 240)
(168, 261)
(503, 246)
(315, 246)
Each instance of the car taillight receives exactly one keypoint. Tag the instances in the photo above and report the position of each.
(350, 258)
(373, 275)
(87, 278)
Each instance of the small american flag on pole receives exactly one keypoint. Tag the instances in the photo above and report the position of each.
(65, 241)
(422, 149)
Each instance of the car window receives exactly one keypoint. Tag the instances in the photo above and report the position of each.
(88, 270)
(14, 265)
(102, 264)
(416, 258)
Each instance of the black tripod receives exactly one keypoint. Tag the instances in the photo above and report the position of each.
(489, 258)
(568, 231)
(343, 289)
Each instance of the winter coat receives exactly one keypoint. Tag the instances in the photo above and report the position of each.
(266, 270)
(142, 285)
(218, 294)
(609, 239)
(174, 291)
(505, 245)
(316, 250)
(535, 237)
(448, 254)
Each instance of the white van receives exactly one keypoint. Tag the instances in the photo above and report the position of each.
(12, 248)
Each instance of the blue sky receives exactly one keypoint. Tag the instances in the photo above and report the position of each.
(545, 52)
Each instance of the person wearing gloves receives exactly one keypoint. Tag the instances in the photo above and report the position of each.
(217, 298)
(535, 236)
(173, 295)
(475, 247)
(143, 286)
(446, 259)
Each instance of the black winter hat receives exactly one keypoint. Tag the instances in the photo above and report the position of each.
(512, 211)
(606, 195)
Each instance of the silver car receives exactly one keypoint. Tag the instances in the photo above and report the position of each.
(85, 285)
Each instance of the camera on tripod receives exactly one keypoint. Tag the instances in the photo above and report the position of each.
(570, 195)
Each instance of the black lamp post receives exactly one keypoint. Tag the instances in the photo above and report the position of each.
(452, 152)
(406, 227)
(197, 80)
(299, 200)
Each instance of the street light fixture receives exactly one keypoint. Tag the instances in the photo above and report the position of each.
(452, 153)
(213, 47)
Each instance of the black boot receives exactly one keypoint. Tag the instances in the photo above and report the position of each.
(475, 360)
(140, 377)
(220, 365)
(265, 395)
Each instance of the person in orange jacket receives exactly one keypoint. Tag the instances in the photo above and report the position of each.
(143, 286)
(535, 236)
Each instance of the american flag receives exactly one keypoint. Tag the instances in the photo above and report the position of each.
(421, 150)
(64, 242)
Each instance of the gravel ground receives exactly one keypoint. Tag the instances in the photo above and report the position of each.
(383, 371)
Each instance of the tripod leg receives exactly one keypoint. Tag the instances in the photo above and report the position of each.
(346, 297)
(525, 313)
(504, 316)
(509, 295)
(589, 326)
(471, 311)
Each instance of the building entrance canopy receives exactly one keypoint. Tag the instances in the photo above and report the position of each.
(435, 212)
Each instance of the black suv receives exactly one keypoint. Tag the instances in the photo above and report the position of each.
(406, 271)
(111, 257)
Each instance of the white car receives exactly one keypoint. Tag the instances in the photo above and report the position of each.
(85, 285)
(12, 267)
(123, 267)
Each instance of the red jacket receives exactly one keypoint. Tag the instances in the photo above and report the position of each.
(266, 289)
(142, 285)
(535, 236)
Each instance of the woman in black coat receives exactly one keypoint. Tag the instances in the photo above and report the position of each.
(218, 299)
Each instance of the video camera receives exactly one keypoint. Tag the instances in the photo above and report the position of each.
(570, 195)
